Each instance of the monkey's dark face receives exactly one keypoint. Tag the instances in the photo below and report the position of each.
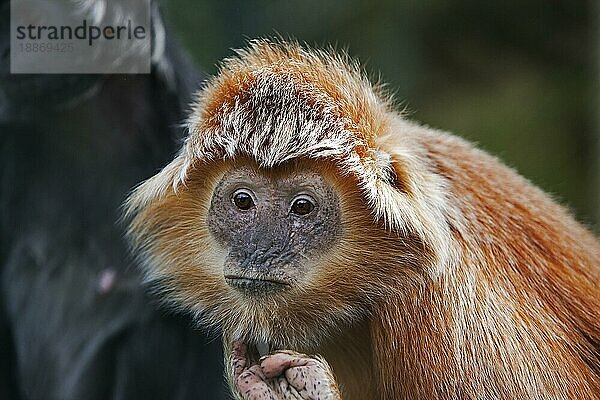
(274, 228)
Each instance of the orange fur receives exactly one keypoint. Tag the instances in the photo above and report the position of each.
(454, 277)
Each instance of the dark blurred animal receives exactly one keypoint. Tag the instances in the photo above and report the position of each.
(75, 322)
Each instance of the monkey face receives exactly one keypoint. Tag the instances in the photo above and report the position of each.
(273, 227)
(286, 255)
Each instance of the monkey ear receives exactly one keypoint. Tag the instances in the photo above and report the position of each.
(405, 192)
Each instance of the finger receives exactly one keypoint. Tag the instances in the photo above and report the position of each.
(238, 358)
(275, 364)
(312, 382)
(299, 378)
(252, 386)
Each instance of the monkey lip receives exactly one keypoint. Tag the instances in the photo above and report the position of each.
(255, 285)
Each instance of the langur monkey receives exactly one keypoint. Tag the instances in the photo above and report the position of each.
(304, 215)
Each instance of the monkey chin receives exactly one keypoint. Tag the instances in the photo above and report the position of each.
(258, 336)
(259, 323)
(281, 319)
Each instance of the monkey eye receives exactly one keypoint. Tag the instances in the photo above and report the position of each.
(243, 199)
(302, 205)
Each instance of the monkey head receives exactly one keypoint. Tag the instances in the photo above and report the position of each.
(284, 217)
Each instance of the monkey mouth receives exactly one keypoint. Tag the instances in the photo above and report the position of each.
(256, 286)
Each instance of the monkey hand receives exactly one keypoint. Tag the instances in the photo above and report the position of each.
(283, 375)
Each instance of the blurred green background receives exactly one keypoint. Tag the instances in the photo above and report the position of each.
(519, 77)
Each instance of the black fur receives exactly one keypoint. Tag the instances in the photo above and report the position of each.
(75, 322)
